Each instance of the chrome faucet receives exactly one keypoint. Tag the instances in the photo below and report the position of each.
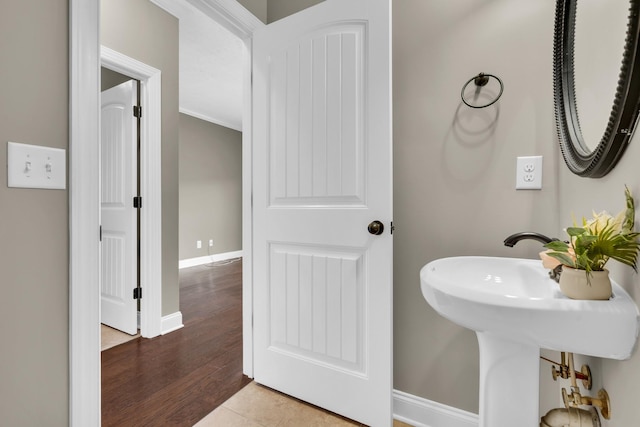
(531, 235)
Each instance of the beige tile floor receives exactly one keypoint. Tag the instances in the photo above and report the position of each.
(110, 337)
(258, 406)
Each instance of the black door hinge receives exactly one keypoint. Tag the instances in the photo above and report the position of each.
(137, 111)
(101, 233)
(137, 293)
(137, 202)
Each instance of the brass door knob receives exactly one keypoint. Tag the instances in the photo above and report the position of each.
(376, 228)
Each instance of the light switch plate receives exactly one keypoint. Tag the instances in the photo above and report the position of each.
(34, 166)
(529, 173)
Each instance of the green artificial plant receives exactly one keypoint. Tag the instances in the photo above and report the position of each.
(599, 239)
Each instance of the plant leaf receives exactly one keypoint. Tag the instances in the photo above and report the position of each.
(576, 231)
(600, 239)
(630, 214)
(557, 245)
(564, 258)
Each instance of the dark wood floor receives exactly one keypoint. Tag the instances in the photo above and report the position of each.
(178, 378)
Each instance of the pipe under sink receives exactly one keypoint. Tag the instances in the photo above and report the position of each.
(570, 417)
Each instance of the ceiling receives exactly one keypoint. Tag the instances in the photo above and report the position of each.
(211, 69)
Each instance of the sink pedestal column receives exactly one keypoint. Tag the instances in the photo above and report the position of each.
(509, 382)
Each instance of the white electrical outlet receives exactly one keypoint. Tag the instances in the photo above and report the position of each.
(529, 173)
(210, 242)
(199, 244)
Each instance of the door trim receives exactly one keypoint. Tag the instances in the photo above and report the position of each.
(150, 185)
(247, 212)
(84, 213)
(84, 203)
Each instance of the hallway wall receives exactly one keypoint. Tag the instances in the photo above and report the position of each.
(34, 266)
(278, 9)
(257, 7)
(210, 188)
(110, 78)
(143, 31)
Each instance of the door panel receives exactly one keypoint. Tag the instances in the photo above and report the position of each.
(322, 173)
(317, 118)
(317, 301)
(118, 145)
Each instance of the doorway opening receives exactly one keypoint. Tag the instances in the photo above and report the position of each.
(149, 229)
(120, 202)
(125, 367)
(86, 57)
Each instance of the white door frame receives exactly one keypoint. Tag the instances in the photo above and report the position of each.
(242, 23)
(84, 203)
(150, 185)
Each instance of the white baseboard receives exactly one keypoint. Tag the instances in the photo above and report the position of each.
(421, 412)
(171, 322)
(192, 262)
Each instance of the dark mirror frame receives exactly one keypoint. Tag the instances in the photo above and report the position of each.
(626, 105)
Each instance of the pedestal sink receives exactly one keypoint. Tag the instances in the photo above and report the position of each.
(516, 309)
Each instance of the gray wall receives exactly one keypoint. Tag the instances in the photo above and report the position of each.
(454, 167)
(141, 30)
(210, 188)
(110, 78)
(34, 273)
(257, 7)
(454, 181)
(278, 9)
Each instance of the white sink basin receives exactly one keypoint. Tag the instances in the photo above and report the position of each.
(516, 309)
(515, 298)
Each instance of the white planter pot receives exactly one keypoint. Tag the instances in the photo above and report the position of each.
(574, 284)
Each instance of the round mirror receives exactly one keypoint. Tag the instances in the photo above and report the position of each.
(588, 69)
(597, 53)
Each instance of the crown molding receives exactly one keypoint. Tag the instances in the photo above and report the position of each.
(228, 13)
(210, 119)
(231, 14)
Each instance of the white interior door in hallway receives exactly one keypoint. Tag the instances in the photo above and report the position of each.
(118, 186)
(323, 173)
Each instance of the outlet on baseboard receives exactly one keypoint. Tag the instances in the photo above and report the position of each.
(198, 244)
(210, 242)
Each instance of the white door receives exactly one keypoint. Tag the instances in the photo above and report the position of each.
(322, 173)
(118, 182)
